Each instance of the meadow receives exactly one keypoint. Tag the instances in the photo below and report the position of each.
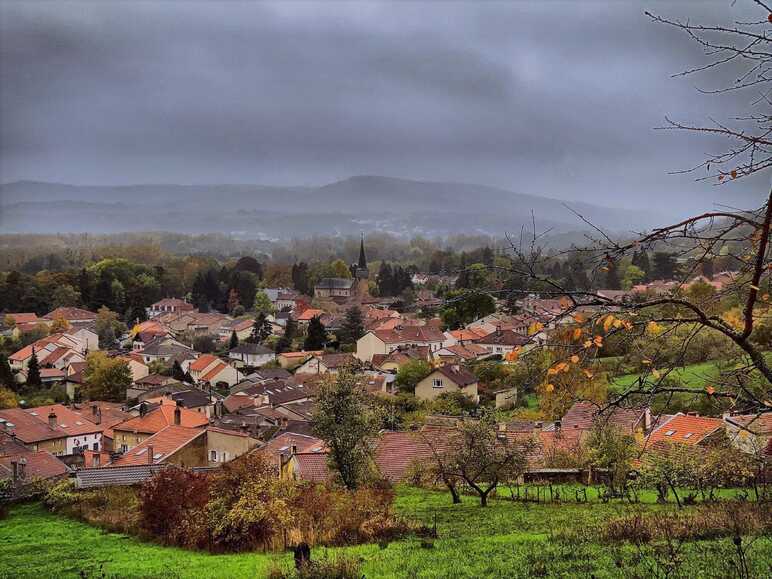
(507, 539)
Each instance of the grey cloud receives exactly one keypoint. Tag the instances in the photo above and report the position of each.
(548, 98)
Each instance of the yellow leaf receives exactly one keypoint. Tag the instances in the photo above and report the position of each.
(646, 361)
(549, 387)
(608, 322)
(575, 359)
(652, 328)
(655, 373)
(588, 343)
(587, 373)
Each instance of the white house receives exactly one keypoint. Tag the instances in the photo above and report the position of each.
(247, 354)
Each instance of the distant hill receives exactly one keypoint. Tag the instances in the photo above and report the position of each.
(401, 206)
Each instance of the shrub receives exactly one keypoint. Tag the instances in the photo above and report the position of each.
(170, 502)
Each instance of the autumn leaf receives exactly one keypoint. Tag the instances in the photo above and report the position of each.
(580, 318)
(598, 341)
(575, 359)
(646, 361)
(710, 390)
(734, 174)
(607, 323)
(549, 387)
(587, 343)
(655, 373)
(577, 333)
(587, 373)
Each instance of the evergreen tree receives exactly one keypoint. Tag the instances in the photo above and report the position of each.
(234, 340)
(284, 344)
(385, 280)
(261, 329)
(641, 261)
(353, 326)
(316, 337)
(664, 265)
(462, 281)
(487, 256)
(300, 278)
(612, 276)
(177, 372)
(7, 378)
(188, 378)
(33, 371)
(708, 268)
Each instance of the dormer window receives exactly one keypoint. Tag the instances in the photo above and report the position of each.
(670, 433)
(688, 435)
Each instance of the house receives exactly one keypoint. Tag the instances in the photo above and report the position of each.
(82, 434)
(690, 429)
(400, 454)
(305, 317)
(74, 316)
(223, 444)
(174, 444)
(20, 466)
(460, 353)
(280, 448)
(187, 397)
(249, 354)
(449, 378)
(308, 466)
(137, 366)
(291, 360)
(209, 369)
(334, 287)
(393, 361)
(386, 341)
(105, 415)
(750, 433)
(35, 434)
(136, 430)
(327, 364)
(502, 341)
(166, 350)
(169, 305)
(56, 350)
(584, 416)
(270, 393)
(242, 326)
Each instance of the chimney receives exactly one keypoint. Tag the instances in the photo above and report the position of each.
(537, 425)
(52, 419)
(558, 424)
(177, 415)
(149, 455)
(142, 409)
(294, 449)
(96, 413)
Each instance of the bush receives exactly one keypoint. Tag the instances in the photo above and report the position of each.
(171, 506)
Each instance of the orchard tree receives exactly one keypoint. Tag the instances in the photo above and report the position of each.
(348, 426)
(106, 378)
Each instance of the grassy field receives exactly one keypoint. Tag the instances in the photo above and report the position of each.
(694, 376)
(505, 540)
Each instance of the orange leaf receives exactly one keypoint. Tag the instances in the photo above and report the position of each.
(710, 390)
(575, 359)
(598, 341)
(734, 174)
(577, 333)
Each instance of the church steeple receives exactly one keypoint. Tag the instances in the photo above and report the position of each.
(362, 258)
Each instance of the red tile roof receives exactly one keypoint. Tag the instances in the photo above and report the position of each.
(66, 420)
(29, 429)
(161, 417)
(583, 415)
(214, 372)
(686, 429)
(70, 314)
(396, 453)
(165, 443)
(312, 466)
(40, 465)
(309, 313)
(23, 318)
(203, 362)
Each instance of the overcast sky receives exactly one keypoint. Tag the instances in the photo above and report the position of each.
(543, 97)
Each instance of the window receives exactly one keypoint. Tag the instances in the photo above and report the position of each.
(95, 446)
(670, 433)
(124, 447)
(213, 456)
(437, 383)
(688, 435)
(224, 456)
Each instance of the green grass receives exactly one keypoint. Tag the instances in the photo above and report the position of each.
(507, 539)
(695, 376)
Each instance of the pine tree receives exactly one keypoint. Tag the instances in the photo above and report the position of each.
(261, 329)
(462, 281)
(177, 372)
(316, 337)
(234, 340)
(284, 344)
(385, 280)
(353, 327)
(33, 371)
(7, 378)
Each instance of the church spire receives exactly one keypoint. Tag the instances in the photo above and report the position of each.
(362, 258)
